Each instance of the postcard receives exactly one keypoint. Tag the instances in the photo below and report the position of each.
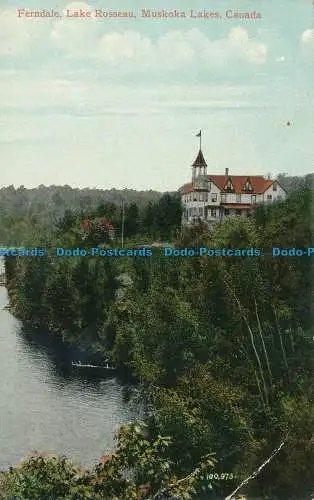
(157, 246)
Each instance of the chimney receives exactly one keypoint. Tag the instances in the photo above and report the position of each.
(227, 171)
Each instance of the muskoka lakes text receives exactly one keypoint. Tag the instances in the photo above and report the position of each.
(200, 14)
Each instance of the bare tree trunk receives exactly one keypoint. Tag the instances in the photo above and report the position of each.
(273, 339)
(291, 340)
(251, 336)
(255, 473)
(263, 343)
(281, 342)
(256, 376)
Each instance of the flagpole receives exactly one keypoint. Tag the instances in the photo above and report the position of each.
(200, 136)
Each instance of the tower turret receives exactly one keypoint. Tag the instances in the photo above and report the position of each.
(199, 169)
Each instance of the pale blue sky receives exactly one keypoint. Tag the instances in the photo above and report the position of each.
(117, 103)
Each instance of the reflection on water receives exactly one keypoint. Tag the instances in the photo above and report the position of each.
(46, 406)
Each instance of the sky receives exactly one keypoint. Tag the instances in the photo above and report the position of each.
(117, 103)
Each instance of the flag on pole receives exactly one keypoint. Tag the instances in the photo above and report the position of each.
(199, 134)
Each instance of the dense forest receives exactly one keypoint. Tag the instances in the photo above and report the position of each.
(222, 348)
(23, 210)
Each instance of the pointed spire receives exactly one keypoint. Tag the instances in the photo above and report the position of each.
(200, 160)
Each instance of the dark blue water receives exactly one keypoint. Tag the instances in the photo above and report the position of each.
(44, 406)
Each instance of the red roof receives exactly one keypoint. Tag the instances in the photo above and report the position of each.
(258, 182)
(103, 221)
(188, 188)
(106, 224)
(86, 224)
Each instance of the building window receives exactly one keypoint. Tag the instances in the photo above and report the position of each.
(227, 211)
(206, 197)
(194, 211)
(213, 212)
(279, 198)
(274, 187)
(253, 198)
(214, 197)
(201, 196)
(223, 198)
(269, 197)
(238, 198)
(200, 211)
(238, 212)
(209, 186)
(190, 212)
(247, 186)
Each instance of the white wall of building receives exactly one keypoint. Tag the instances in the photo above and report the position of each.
(196, 202)
(245, 198)
(272, 194)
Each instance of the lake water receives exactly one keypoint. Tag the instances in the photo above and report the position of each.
(45, 406)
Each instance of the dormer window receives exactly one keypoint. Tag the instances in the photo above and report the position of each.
(229, 186)
(275, 187)
(247, 186)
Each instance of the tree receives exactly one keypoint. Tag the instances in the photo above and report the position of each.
(139, 468)
(131, 224)
(168, 214)
(148, 219)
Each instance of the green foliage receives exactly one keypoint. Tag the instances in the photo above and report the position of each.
(24, 211)
(139, 469)
(291, 184)
(27, 213)
(222, 344)
(42, 477)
